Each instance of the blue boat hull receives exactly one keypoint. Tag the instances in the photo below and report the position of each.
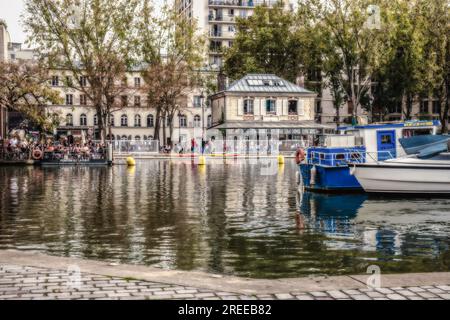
(329, 179)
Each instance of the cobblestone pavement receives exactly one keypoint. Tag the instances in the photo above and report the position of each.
(30, 283)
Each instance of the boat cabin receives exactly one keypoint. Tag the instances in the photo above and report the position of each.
(381, 141)
(327, 166)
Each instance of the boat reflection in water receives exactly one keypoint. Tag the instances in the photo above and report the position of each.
(387, 227)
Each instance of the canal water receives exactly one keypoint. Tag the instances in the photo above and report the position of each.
(236, 218)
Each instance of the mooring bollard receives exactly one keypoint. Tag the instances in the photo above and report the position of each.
(280, 159)
(201, 160)
(131, 162)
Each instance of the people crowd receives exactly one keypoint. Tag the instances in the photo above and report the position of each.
(18, 147)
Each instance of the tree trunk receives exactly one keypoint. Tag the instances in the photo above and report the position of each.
(157, 124)
(338, 116)
(164, 122)
(409, 103)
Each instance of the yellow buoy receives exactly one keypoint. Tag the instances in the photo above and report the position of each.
(201, 160)
(131, 162)
(280, 159)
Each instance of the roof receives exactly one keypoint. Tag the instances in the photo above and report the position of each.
(272, 125)
(265, 83)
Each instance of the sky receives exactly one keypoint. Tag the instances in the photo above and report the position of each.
(11, 10)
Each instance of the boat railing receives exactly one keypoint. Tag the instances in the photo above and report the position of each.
(336, 159)
(340, 159)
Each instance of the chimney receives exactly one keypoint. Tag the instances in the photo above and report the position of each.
(222, 81)
(300, 80)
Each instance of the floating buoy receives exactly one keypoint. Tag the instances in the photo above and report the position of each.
(280, 159)
(131, 162)
(201, 160)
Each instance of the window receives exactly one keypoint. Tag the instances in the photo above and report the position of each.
(197, 101)
(150, 121)
(424, 106)
(111, 120)
(197, 121)
(83, 81)
(386, 139)
(231, 29)
(69, 120)
(183, 121)
(55, 81)
(137, 138)
(83, 99)
(124, 101)
(396, 108)
(124, 121)
(209, 121)
(95, 120)
(137, 101)
(137, 120)
(69, 81)
(292, 107)
(270, 106)
(69, 99)
(137, 82)
(248, 106)
(436, 107)
(83, 120)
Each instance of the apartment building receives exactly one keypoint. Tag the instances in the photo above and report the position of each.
(4, 40)
(133, 118)
(217, 20)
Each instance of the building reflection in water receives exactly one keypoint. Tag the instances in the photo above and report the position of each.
(229, 216)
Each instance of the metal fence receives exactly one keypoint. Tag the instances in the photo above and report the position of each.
(135, 147)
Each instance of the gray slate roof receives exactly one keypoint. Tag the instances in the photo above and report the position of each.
(269, 83)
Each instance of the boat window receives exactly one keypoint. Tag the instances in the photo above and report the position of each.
(322, 156)
(340, 156)
(386, 139)
(407, 133)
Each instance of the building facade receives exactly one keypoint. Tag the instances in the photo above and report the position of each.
(134, 119)
(4, 41)
(264, 107)
(217, 20)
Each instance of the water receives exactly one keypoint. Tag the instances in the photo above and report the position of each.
(223, 218)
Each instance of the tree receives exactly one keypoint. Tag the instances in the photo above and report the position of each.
(399, 79)
(266, 42)
(25, 89)
(91, 41)
(173, 67)
(352, 41)
(436, 32)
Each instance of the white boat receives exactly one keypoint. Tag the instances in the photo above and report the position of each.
(408, 175)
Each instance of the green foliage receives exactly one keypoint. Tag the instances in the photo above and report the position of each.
(266, 42)
(91, 38)
(25, 89)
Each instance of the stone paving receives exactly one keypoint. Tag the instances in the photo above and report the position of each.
(32, 283)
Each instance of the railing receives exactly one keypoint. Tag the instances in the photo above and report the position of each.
(136, 147)
(340, 159)
(242, 3)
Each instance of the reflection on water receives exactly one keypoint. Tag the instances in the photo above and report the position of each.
(226, 217)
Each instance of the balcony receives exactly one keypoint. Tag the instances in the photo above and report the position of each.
(242, 3)
(215, 34)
